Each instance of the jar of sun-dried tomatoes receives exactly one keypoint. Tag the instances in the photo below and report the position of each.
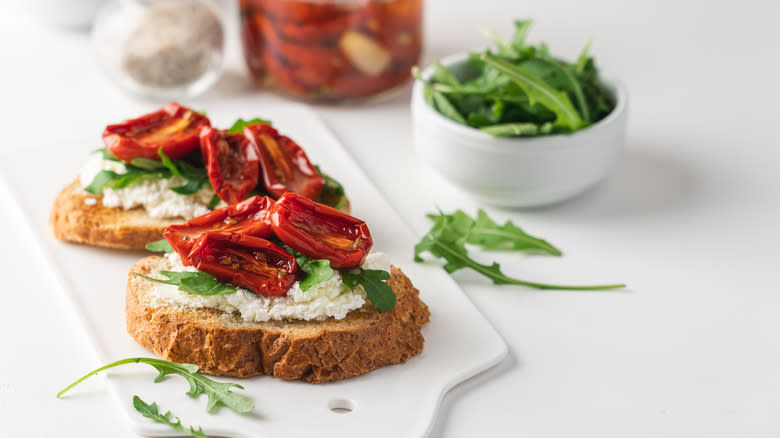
(331, 49)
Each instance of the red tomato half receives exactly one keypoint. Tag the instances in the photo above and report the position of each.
(320, 232)
(245, 261)
(283, 164)
(247, 217)
(174, 129)
(232, 163)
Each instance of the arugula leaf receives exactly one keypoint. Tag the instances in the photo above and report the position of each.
(599, 100)
(543, 50)
(489, 235)
(446, 240)
(560, 76)
(373, 283)
(333, 193)
(238, 126)
(316, 271)
(145, 168)
(189, 171)
(511, 129)
(472, 88)
(152, 412)
(197, 177)
(505, 48)
(483, 115)
(445, 107)
(104, 152)
(546, 128)
(583, 58)
(100, 180)
(214, 201)
(167, 162)
(219, 394)
(521, 31)
(192, 186)
(147, 163)
(444, 76)
(161, 245)
(485, 232)
(417, 74)
(196, 283)
(134, 174)
(428, 93)
(538, 91)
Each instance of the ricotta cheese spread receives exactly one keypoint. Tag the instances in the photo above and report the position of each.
(152, 195)
(330, 298)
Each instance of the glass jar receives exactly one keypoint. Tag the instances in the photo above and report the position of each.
(331, 49)
(165, 49)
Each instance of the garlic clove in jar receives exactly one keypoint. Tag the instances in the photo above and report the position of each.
(365, 53)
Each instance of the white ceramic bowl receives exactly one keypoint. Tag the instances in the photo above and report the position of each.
(521, 171)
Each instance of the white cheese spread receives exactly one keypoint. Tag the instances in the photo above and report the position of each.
(329, 298)
(152, 195)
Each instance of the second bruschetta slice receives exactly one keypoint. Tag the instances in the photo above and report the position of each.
(170, 166)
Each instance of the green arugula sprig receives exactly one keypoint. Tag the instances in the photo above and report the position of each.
(485, 232)
(145, 168)
(219, 394)
(520, 90)
(333, 193)
(450, 233)
(196, 283)
(537, 90)
(316, 271)
(161, 245)
(238, 126)
(152, 412)
(196, 176)
(372, 281)
(214, 202)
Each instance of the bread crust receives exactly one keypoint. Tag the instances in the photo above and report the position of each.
(314, 351)
(78, 216)
(75, 219)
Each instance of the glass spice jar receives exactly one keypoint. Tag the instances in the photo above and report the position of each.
(165, 49)
(331, 49)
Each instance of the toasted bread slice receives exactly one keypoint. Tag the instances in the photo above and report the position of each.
(78, 216)
(315, 351)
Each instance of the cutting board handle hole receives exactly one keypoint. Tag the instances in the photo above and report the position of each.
(341, 406)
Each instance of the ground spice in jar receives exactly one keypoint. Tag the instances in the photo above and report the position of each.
(175, 44)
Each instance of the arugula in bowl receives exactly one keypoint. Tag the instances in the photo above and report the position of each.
(519, 89)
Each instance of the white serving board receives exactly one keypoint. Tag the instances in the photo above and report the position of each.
(394, 401)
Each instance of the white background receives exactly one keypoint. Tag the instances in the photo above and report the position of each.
(689, 219)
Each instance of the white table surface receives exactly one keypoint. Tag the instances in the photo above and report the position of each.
(689, 220)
